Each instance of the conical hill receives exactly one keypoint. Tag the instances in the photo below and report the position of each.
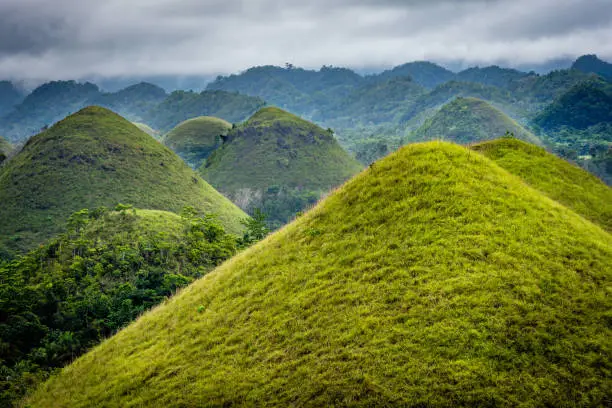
(433, 278)
(195, 139)
(279, 163)
(470, 120)
(96, 158)
(560, 180)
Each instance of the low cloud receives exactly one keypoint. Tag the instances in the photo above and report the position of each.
(75, 39)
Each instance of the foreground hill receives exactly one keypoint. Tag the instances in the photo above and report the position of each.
(90, 159)
(5, 149)
(278, 162)
(562, 181)
(434, 278)
(468, 120)
(195, 139)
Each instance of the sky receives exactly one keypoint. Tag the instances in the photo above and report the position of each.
(72, 39)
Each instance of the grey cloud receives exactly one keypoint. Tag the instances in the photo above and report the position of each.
(77, 38)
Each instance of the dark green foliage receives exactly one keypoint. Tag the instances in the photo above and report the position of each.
(90, 159)
(277, 162)
(256, 228)
(545, 88)
(469, 120)
(592, 64)
(584, 105)
(108, 267)
(181, 106)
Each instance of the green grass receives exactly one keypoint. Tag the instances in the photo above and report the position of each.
(469, 120)
(90, 159)
(558, 179)
(433, 278)
(195, 139)
(276, 153)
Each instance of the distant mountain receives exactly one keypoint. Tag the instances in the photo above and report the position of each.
(133, 102)
(195, 139)
(96, 158)
(585, 104)
(180, 106)
(544, 89)
(592, 64)
(10, 96)
(373, 103)
(44, 106)
(424, 73)
(435, 278)
(279, 163)
(493, 75)
(469, 120)
(558, 179)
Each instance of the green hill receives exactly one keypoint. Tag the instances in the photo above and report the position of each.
(94, 158)
(558, 179)
(102, 272)
(424, 73)
(468, 120)
(434, 278)
(279, 163)
(5, 149)
(493, 75)
(195, 139)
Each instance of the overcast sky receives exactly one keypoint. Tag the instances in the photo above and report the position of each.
(60, 39)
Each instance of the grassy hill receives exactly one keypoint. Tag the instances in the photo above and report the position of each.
(558, 179)
(278, 162)
(434, 278)
(102, 272)
(468, 120)
(5, 149)
(195, 139)
(92, 158)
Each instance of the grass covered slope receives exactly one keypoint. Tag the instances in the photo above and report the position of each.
(469, 120)
(195, 139)
(434, 278)
(278, 162)
(560, 180)
(93, 158)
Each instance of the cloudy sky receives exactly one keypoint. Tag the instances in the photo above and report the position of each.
(63, 39)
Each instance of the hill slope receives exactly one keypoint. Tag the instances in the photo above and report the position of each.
(468, 120)
(558, 179)
(278, 162)
(5, 149)
(592, 64)
(434, 278)
(195, 139)
(90, 159)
